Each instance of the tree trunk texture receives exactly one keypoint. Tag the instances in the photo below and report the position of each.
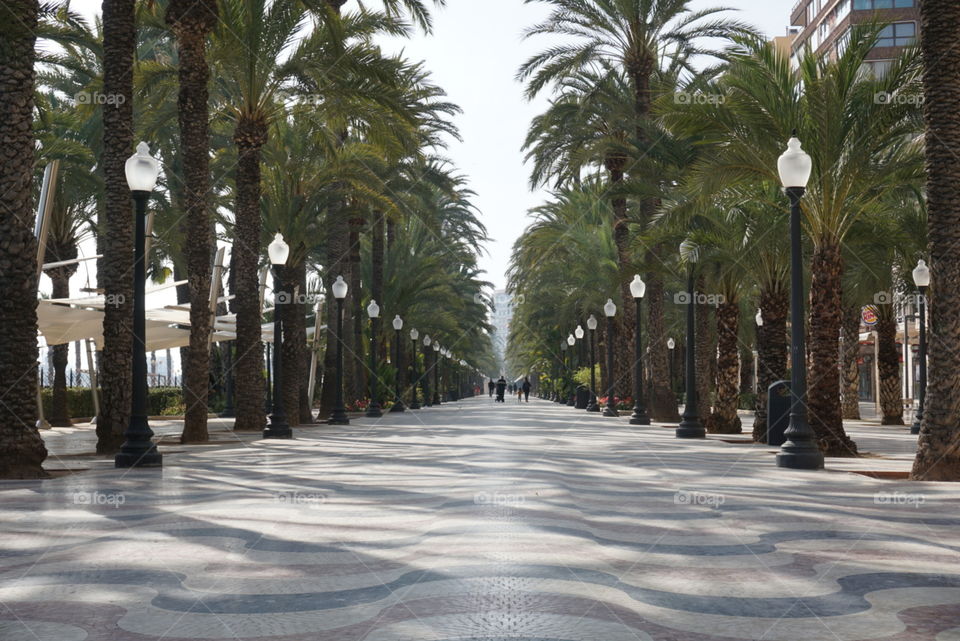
(823, 377)
(355, 377)
(724, 419)
(191, 21)
(22, 451)
(249, 137)
(746, 371)
(706, 355)
(888, 366)
(622, 327)
(850, 385)
(772, 350)
(305, 402)
(293, 315)
(335, 265)
(60, 279)
(938, 452)
(115, 269)
(662, 402)
(377, 257)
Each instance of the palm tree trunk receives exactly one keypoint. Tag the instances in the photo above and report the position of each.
(625, 319)
(724, 419)
(850, 390)
(888, 367)
(772, 352)
(823, 392)
(662, 402)
(249, 136)
(22, 451)
(305, 409)
(191, 21)
(292, 315)
(114, 269)
(938, 452)
(355, 320)
(706, 355)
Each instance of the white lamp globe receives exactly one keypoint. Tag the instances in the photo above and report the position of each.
(759, 318)
(373, 310)
(397, 322)
(414, 334)
(637, 287)
(671, 343)
(142, 169)
(426, 340)
(592, 322)
(278, 250)
(610, 309)
(340, 288)
(578, 332)
(794, 165)
(921, 274)
(571, 340)
(436, 347)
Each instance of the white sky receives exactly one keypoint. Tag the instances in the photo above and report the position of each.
(474, 54)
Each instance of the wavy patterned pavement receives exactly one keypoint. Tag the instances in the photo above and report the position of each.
(478, 522)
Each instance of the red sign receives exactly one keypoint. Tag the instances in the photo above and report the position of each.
(869, 315)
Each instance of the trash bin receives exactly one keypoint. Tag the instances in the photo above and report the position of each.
(778, 412)
(583, 397)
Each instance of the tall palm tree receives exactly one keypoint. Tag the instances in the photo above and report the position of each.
(22, 451)
(640, 38)
(938, 454)
(191, 21)
(115, 269)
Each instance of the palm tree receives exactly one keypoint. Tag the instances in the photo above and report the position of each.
(22, 451)
(114, 270)
(639, 38)
(938, 458)
(191, 21)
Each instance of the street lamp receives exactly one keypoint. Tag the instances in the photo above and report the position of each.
(690, 426)
(373, 410)
(610, 310)
(138, 449)
(759, 318)
(427, 397)
(278, 251)
(800, 450)
(921, 278)
(572, 400)
(639, 417)
(592, 406)
(397, 400)
(671, 345)
(414, 335)
(561, 379)
(339, 415)
(436, 373)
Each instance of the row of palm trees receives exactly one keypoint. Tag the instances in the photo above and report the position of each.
(645, 152)
(266, 116)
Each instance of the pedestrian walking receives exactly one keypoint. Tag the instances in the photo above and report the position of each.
(491, 386)
(526, 389)
(501, 388)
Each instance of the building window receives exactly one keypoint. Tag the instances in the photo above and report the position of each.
(876, 68)
(898, 34)
(867, 5)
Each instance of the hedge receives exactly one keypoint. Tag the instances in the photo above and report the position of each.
(161, 401)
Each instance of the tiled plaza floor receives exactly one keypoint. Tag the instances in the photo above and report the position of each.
(483, 522)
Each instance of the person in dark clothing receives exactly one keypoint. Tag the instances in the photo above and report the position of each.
(526, 389)
(501, 388)
(491, 386)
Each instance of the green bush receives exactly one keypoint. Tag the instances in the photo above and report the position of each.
(161, 401)
(748, 400)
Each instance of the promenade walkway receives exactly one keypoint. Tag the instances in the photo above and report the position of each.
(477, 521)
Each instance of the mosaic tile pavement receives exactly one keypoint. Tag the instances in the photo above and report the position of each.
(478, 521)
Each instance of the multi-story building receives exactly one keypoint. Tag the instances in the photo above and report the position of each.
(824, 26)
(500, 319)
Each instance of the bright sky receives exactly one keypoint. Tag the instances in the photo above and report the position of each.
(474, 54)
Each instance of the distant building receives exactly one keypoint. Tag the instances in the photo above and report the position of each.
(824, 26)
(500, 319)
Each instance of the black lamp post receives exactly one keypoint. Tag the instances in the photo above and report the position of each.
(610, 310)
(397, 398)
(562, 377)
(593, 406)
(339, 415)
(414, 376)
(639, 416)
(671, 345)
(373, 410)
(800, 450)
(690, 426)
(436, 373)
(138, 449)
(427, 397)
(572, 396)
(921, 278)
(278, 427)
